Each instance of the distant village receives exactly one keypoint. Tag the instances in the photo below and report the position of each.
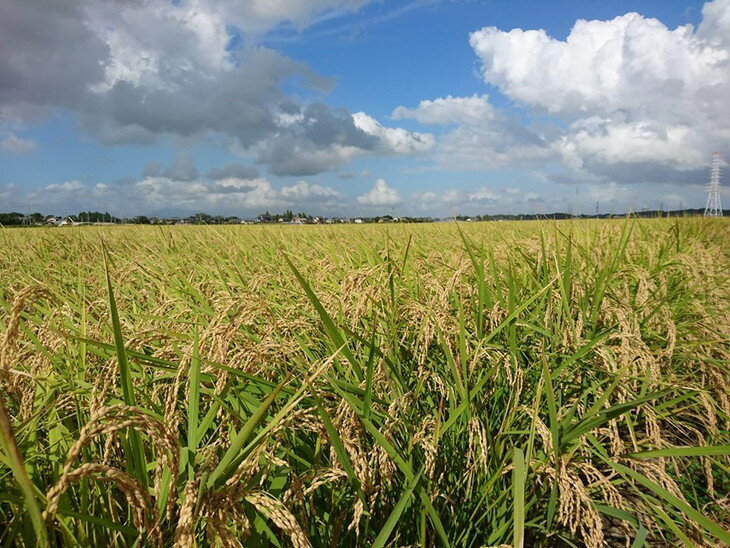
(289, 218)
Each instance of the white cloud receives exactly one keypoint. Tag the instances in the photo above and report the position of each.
(393, 140)
(715, 26)
(484, 195)
(381, 194)
(474, 110)
(492, 147)
(630, 62)
(634, 93)
(624, 101)
(609, 140)
(67, 186)
(308, 192)
(484, 137)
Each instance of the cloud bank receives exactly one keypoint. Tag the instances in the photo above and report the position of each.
(162, 195)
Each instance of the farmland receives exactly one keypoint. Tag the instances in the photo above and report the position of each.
(481, 384)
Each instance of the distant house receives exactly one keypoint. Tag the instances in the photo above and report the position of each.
(359, 221)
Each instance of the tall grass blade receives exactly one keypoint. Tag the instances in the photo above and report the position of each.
(9, 448)
(243, 435)
(193, 405)
(403, 502)
(518, 493)
(133, 442)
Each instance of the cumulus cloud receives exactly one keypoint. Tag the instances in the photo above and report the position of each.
(630, 62)
(138, 70)
(626, 100)
(484, 195)
(380, 195)
(451, 197)
(483, 137)
(318, 138)
(474, 110)
(393, 140)
(634, 92)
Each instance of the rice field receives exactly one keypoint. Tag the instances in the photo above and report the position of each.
(488, 384)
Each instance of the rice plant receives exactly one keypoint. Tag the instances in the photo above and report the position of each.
(488, 384)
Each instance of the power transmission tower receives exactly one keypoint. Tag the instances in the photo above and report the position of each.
(714, 206)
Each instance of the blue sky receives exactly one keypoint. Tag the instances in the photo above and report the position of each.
(360, 107)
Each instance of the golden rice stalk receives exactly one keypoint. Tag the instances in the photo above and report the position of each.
(280, 516)
(138, 499)
(25, 295)
(185, 529)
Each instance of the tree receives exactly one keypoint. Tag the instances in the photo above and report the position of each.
(11, 219)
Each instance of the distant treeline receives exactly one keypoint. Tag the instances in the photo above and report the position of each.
(15, 218)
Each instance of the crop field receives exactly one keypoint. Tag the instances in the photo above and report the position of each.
(481, 384)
